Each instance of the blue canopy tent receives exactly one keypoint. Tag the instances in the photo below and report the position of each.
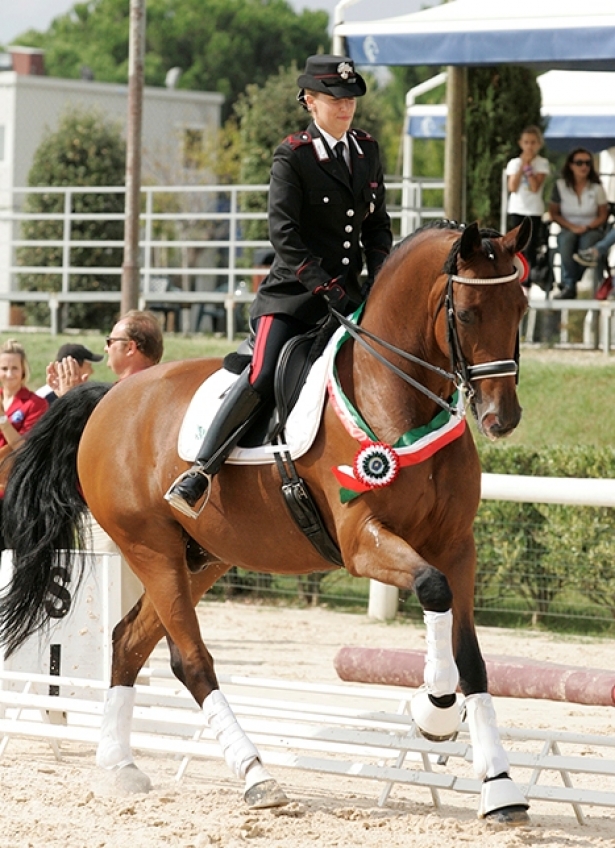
(578, 106)
(543, 33)
(549, 34)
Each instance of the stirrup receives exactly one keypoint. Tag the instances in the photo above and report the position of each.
(179, 503)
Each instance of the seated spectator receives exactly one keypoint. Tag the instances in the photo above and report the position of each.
(579, 205)
(592, 256)
(72, 366)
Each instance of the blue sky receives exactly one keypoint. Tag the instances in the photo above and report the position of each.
(20, 15)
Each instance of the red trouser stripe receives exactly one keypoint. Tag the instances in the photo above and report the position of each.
(262, 333)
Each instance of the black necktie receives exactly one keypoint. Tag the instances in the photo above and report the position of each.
(339, 154)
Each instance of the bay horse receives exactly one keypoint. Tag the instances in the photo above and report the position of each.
(440, 323)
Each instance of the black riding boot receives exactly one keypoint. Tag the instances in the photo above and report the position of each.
(233, 418)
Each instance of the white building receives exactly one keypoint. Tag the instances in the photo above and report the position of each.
(176, 124)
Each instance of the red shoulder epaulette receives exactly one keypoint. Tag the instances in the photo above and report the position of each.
(361, 135)
(299, 139)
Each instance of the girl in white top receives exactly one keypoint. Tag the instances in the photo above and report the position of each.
(526, 178)
(579, 205)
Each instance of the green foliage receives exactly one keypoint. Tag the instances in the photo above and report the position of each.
(220, 45)
(543, 552)
(501, 101)
(85, 150)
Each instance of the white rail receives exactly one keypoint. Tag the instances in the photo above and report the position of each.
(575, 491)
(199, 249)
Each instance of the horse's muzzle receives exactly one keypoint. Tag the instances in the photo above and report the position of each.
(496, 421)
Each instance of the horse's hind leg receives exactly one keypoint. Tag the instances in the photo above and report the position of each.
(134, 639)
(173, 593)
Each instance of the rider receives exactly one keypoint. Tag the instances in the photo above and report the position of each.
(322, 210)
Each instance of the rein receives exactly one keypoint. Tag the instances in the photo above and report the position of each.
(462, 374)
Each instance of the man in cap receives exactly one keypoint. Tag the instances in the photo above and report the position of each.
(72, 365)
(327, 216)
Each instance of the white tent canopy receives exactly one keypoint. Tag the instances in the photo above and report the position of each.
(549, 33)
(578, 106)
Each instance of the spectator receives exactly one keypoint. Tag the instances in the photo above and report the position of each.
(579, 205)
(592, 256)
(327, 210)
(134, 344)
(20, 408)
(526, 178)
(72, 366)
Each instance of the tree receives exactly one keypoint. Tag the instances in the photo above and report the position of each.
(219, 45)
(501, 101)
(85, 150)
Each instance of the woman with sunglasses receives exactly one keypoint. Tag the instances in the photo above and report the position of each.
(579, 205)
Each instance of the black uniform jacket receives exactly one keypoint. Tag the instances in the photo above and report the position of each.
(320, 215)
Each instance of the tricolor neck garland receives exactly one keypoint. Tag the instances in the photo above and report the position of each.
(376, 463)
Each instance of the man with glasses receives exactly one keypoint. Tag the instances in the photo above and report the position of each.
(134, 344)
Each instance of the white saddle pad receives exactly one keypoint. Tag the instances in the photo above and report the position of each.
(301, 428)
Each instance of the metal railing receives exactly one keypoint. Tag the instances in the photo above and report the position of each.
(198, 241)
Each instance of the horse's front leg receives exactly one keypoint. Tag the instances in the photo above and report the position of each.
(374, 551)
(377, 553)
(501, 800)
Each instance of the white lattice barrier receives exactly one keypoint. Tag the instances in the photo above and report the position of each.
(354, 732)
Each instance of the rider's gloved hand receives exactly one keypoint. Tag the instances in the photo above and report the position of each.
(331, 291)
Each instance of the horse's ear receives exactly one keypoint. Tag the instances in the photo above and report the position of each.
(470, 241)
(519, 238)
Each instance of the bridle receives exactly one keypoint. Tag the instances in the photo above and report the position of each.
(467, 374)
(461, 374)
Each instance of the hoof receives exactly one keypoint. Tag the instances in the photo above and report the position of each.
(264, 795)
(131, 781)
(515, 816)
(434, 723)
(501, 802)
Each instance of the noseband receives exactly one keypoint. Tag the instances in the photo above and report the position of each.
(461, 374)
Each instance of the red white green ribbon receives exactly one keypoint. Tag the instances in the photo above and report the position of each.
(377, 464)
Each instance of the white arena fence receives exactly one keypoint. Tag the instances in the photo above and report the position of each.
(577, 492)
(196, 242)
(553, 502)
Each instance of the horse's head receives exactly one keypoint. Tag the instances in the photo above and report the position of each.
(484, 306)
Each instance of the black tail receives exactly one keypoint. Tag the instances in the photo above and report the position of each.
(43, 517)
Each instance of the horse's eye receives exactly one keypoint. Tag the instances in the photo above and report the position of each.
(466, 316)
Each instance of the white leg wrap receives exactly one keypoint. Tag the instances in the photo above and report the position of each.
(238, 751)
(490, 758)
(114, 746)
(256, 773)
(441, 674)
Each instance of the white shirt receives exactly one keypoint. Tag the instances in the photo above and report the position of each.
(579, 210)
(524, 201)
(331, 141)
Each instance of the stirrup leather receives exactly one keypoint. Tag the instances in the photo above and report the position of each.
(179, 503)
